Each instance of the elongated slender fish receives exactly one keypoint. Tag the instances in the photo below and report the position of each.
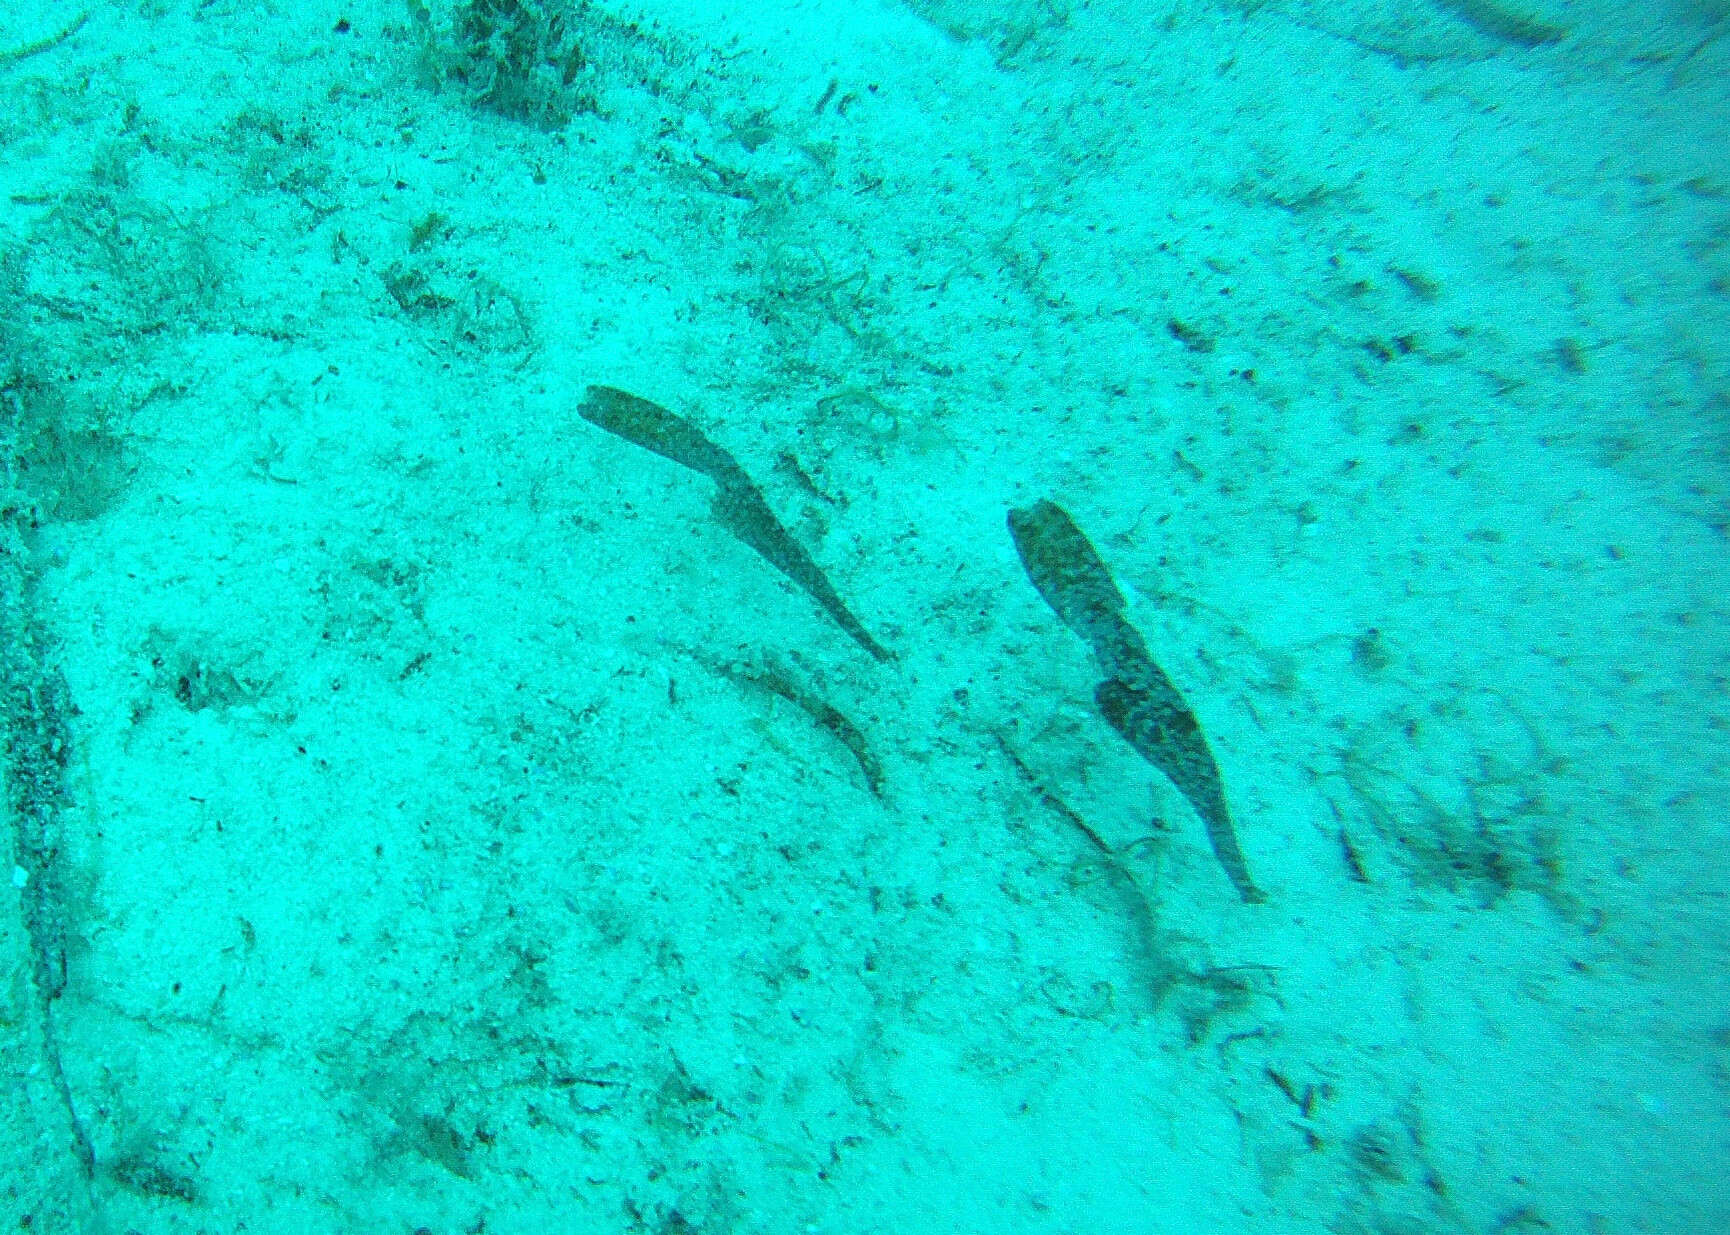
(653, 427)
(738, 503)
(1151, 716)
(1136, 698)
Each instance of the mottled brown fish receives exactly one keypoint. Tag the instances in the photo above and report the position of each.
(1151, 717)
(742, 510)
(738, 503)
(1136, 698)
(653, 427)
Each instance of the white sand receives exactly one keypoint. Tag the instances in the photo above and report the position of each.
(426, 875)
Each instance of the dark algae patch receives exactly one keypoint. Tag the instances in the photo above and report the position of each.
(738, 504)
(1136, 698)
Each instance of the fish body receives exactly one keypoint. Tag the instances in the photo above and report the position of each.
(1067, 571)
(739, 504)
(1136, 698)
(1151, 717)
(653, 427)
(743, 512)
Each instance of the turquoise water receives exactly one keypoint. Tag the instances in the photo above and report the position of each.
(528, 708)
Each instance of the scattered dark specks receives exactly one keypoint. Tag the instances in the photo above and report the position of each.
(1192, 338)
(1370, 652)
(1408, 434)
(1421, 286)
(149, 1178)
(1373, 1151)
(1568, 354)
